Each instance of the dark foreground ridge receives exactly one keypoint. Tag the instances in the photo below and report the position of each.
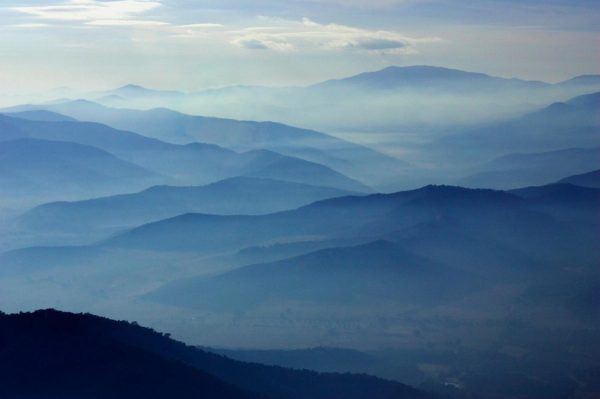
(52, 354)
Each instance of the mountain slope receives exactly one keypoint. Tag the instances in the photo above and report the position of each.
(8, 129)
(575, 123)
(450, 225)
(477, 222)
(51, 354)
(186, 164)
(589, 179)
(179, 128)
(582, 80)
(86, 356)
(41, 115)
(530, 169)
(565, 194)
(238, 195)
(349, 276)
(335, 218)
(54, 169)
(301, 171)
(325, 359)
(425, 77)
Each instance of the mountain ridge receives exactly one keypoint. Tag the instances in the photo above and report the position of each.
(236, 195)
(195, 163)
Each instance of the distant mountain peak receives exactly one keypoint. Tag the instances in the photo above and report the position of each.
(424, 69)
(423, 76)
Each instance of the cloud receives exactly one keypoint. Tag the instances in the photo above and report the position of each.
(363, 3)
(373, 43)
(266, 34)
(264, 43)
(90, 10)
(29, 26)
(201, 26)
(254, 44)
(286, 35)
(126, 22)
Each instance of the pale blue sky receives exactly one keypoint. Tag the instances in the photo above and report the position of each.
(194, 44)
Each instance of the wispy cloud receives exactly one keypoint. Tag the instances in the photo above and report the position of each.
(266, 34)
(201, 26)
(310, 35)
(363, 3)
(29, 26)
(126, 22)
(264, 42)
(88, 11)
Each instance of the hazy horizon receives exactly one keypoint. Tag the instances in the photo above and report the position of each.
(184, 45)
(278, 86)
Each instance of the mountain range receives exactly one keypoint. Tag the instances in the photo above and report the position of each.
(527, 169)
(424, 265)
(237, 195)
(425, 77)
(41, 168)
(396, 98)
(339, 217)
(471, 271)
(194, 163)
(558, 126)
(349, 276)
(178, 128)
(389, 78)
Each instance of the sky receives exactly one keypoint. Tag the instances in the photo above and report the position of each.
(195, 44)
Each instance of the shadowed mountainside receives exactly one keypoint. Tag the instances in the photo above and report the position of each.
(54, 354)
(589, 179)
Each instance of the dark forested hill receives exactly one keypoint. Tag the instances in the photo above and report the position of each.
(51, 354)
